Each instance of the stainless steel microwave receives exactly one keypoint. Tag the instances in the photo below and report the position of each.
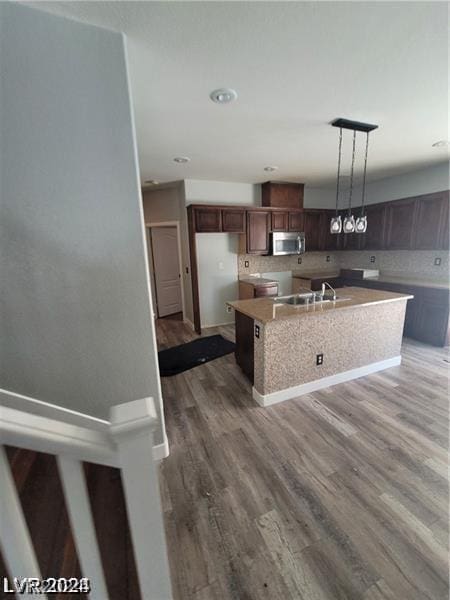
(287, 243)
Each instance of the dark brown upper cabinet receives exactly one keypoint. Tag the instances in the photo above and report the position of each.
(280, 221)
(432, 218)
(295, 221)
(258, 223)
(328, 240)
(375, 236)
(282, 195)
(208, 220)
(401, 221)
(312, 226)
(233, 220)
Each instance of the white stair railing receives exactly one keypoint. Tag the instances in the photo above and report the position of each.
(127, 443)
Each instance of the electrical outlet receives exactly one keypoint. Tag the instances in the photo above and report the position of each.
(256, 331)
(437, 261)
(187, 270)
(328, 258)
(229, 309)
(319, 359)
(299, 260)
(372, 259)
(246, 264)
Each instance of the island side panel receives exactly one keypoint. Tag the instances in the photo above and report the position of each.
(285, 353)
(244, 352)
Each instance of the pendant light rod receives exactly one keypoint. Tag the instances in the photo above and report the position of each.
(338, 170)
(363, 195)
(351, 174)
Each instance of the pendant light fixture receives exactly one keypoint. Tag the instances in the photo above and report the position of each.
(350, 225)
(349, 221)
(336, 221)
(361, 221)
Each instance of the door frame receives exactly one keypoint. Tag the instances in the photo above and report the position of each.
(148, 227)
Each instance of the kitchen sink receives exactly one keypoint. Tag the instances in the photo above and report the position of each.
(306, 299)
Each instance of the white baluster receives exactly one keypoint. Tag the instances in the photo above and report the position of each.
(132, 426)
(82, 525)
(17, 548)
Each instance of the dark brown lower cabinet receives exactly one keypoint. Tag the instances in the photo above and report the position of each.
(427, 314)
(244, 352)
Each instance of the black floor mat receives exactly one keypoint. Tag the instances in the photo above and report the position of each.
(182, 358)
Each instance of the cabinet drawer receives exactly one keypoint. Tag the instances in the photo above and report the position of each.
(266, 290)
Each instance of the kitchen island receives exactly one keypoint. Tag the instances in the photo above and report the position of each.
(287, 351)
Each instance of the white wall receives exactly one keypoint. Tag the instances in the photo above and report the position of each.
(222, 192)
(75, 323)
(423, 181)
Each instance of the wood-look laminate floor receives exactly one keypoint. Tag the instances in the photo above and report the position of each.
(338, 495)
(341, 494)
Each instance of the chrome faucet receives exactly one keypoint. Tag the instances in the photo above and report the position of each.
(325, 283)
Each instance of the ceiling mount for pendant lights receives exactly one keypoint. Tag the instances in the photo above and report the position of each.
(351, 225)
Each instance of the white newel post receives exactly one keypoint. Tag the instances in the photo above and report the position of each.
(132, 426)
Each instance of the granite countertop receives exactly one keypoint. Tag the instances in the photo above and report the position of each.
(314, 274)
(260, 281)
(382, 278)
(264, 311)
(414, 281)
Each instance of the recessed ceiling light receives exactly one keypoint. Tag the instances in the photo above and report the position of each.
(181, 159)
(223, 95)
(271, 168)
(441, 144)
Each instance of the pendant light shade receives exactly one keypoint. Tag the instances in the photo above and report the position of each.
(361, 224)
(349, 224)
(336, 224)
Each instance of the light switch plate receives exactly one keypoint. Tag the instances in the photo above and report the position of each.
(246, 264)
(437, 261)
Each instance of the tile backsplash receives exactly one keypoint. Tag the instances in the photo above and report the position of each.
(420, 263)
(269, 264)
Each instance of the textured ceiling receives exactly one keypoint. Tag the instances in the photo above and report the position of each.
(295, 66)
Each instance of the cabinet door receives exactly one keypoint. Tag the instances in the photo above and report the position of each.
(295, 221)
(282, 195)
(233, 220)
(207, 220)
(401, 220)
(258, 232)
(279, 221)
(312, 220)
(430, 217)
(431, 322)
(375, 236)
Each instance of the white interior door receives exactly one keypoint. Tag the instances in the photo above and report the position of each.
(166, 270)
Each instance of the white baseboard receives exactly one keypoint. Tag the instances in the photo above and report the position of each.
(318, 384)
(66, 415)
